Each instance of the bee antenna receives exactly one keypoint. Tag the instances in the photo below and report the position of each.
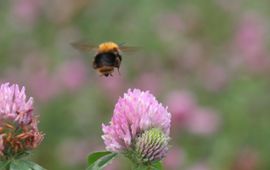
(122, 43)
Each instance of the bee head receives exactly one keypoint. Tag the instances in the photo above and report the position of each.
(108, 47)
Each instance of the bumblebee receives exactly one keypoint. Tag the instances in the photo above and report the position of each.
(106, 59)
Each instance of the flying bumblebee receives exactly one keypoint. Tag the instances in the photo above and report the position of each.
(108, 56)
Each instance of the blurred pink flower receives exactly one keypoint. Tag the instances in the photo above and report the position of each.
(172, 22)
(42, 80)
(149, 81)
(203, 122)
(134, 113)
(250, 41)
(247, 159)
(19, 132)
(72, 74)
(46, 84)
(174, 159)
(192, 56)
(62, 14)
(214, 77)
(34, 73)
(180, 104)
(26, 11)
(199, 166)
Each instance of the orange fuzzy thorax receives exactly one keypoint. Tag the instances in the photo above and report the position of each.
(108, 47)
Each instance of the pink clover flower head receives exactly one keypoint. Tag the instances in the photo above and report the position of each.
(14, 105)
(139, 124)
(18, 126)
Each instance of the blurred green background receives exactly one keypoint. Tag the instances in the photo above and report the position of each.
(207, 60)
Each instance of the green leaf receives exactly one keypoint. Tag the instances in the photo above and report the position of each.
(24, 165)
(34, 166)
(98, 160)
(19, 165)
(4, 165)
(157, 166)
(96, 155)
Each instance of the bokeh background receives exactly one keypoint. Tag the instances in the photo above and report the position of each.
(208, 61)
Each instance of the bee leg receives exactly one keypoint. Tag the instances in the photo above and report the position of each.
(104, 74)
(118, 71)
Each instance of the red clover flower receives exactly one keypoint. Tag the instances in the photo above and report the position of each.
(139, 128)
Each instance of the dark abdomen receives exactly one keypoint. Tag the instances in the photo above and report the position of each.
(104, 59)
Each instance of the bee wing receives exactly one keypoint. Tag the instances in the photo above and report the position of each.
(84, 46)
(128, 48)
